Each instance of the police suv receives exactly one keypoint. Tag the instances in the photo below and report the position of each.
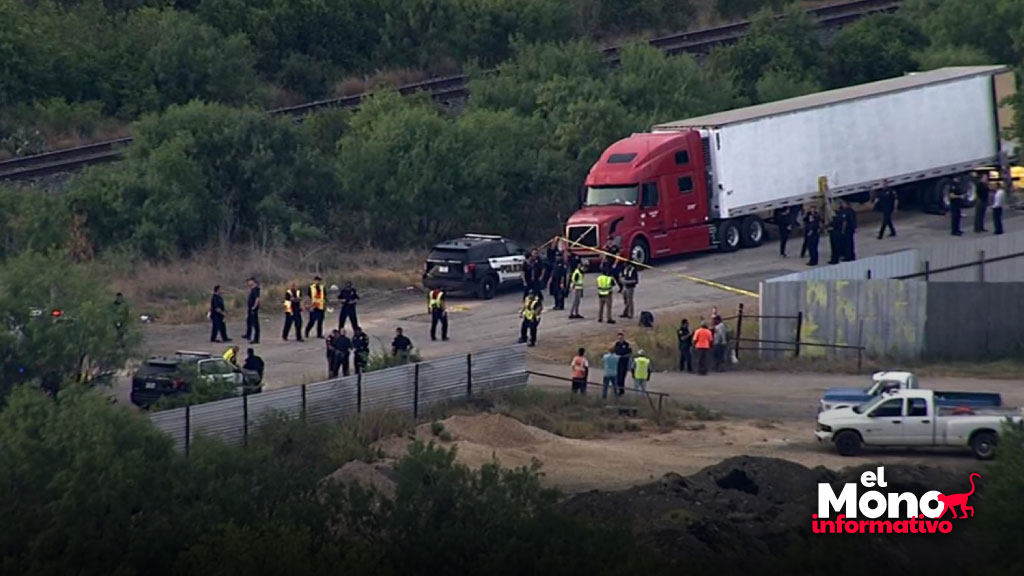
(477, 263)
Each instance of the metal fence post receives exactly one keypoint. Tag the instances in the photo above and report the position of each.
(869, 274)
(188, 427)
(799, 327)
(927, 269)
(416, 392)
(359, 393)
(981, 265)
(245, 417)
(303, 401)
(860, 345)
(739, 330)
(469, 375)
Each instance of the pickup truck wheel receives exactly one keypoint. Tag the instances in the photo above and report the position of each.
(848, 443)
(751, 232)
(936, 200)
(486, 287)
(728, 236)
(983, 445)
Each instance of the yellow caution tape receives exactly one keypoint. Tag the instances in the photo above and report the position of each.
(694, 279)
(457, 308)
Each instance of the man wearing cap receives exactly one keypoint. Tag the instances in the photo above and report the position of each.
(641, 370)
(317, 305)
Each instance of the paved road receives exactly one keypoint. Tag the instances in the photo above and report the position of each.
(478, 325)
(773, 395)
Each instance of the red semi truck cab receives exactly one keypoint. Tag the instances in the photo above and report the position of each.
(649, 193)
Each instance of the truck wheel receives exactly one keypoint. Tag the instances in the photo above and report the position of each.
(848, 443)
(640, 251)
(485, 288)
(937, 200)
(728, 236)
(971, 184)
(751, 232)
(983, 445)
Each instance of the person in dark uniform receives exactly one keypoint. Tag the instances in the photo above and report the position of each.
(348, 297)
(784, 220)
(685, 337)
(361, 347)
(252, 314)
(342, 348)
(292, 313)
(806, 218)
(886, 204)
(835, 237)
(849, 231)
(529, 265)
(217, 325)
(981, 203)
(557, 283)
(253, 363)
(625, 353)
(630, 278)
(540, 275)
(332, 354)
(401, 346)
(812, 234)
(956, 200)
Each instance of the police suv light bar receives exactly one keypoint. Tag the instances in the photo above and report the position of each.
(485, 236)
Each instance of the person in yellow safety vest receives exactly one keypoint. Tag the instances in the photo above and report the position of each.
(532, 308)
(317, 307)
(438, 313)
(641, 371)
(231, 356)
(605, 283)
(576, 285)
(292, 313)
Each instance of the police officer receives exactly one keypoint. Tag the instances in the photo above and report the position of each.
(217, 325)
(849, 230)
(332, 354)
(361, 347)
(784, 220)
(252, 316)
(559, 274)
(576, 284)
(438, 310)
(812, 234)
(685, 338)
(981, 203)
(292, 313)
(605, 282)
(342, 349)
(956, 202)
(630, 279)
(317, 306)
(835, 237)
(886, 204)
(348, 297)
(530, 313)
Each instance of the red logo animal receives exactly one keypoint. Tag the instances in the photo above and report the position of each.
(951, 501)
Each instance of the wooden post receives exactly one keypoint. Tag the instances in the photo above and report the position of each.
(739, 330)
(416, 392)
(469, 375)
(981, 265)
(927, 269)
(303, 401)
(860, 345)
(869, 273)
(799, 327)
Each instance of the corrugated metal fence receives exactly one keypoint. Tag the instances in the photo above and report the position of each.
(411, 388)
(989, 259)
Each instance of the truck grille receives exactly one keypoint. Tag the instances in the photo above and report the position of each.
(584, 235)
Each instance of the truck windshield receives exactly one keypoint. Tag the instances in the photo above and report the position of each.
(870, 404)
(612, 195)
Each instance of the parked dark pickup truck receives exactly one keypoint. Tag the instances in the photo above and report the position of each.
(885, 381)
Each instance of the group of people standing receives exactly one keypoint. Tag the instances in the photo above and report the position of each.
(985, 196)
(705, 347)
(618, 362)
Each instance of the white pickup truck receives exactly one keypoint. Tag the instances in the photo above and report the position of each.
(910, 418)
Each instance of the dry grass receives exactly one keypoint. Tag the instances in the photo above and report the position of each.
(390, 78)
(178, 292)
(1009, 369)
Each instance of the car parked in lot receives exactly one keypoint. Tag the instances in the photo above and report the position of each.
(480, 264)
(161, 376)
(910, 418)
(882, 382)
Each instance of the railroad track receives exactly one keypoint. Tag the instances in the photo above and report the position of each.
(443, 89)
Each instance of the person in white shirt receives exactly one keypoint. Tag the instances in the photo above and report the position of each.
(998, 202)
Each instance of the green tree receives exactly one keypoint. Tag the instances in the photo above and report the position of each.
(781, 84)
(940, 56)
(989, 25)
(874, 48)
(85, 339)
(1004, 493)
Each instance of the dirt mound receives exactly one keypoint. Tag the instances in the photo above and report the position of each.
(496, 430)
(376, 476)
